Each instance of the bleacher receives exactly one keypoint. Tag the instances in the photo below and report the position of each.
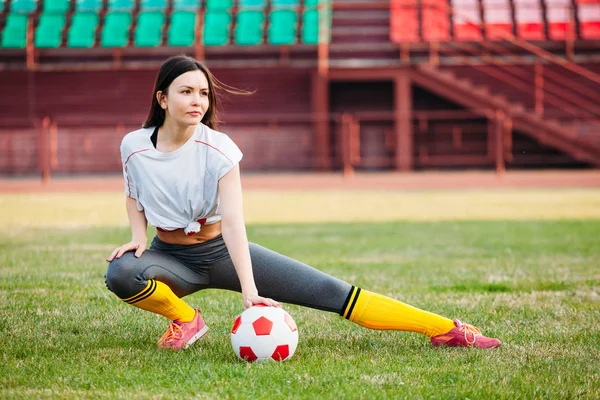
(156, 23)
(476, 20)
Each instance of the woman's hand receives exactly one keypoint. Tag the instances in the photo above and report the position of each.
(138, 246)
(253, 299)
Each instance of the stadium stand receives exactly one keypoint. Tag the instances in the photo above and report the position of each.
(523, 70)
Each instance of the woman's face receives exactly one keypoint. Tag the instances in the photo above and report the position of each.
(186, 99)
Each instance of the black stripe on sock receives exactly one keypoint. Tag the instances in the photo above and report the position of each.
(347, 301)
(144, 294)
(353, 303)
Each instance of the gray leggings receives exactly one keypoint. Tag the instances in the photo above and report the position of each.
(189, 268)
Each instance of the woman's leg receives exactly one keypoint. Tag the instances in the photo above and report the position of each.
(154, 282)
(287, 280)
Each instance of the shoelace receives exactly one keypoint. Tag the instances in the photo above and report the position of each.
(466, 329)
(174, 332)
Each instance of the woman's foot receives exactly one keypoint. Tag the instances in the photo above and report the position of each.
(464, 335)
(180, 335)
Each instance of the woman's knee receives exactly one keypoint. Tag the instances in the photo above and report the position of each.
(123, 275)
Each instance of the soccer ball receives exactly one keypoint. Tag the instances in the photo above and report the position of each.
(264, 333)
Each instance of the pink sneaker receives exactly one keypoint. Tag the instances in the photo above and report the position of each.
(180, 335)
(464, 335)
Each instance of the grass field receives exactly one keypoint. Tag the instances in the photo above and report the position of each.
(522, 265)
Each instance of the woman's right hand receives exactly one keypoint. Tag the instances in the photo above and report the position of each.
(138, 246)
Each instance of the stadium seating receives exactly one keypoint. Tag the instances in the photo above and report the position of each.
(82, 32)
(88, 5)
(115, 32)
(14, 34)
(283, 26)
(182, 28)
(216, 27)
(249, 27)
(148, 31)
(23, 6)
(529, 19)
(498, 18)
(49, 30)
(466, 20)
(589, 19)
(56, 6)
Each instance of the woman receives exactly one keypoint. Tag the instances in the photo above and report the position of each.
(183, 178)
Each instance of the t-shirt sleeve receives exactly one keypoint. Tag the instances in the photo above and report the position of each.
(131, 189)
(231, 155)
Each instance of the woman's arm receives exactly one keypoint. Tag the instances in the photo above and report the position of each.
(139, 224)
(234, 235)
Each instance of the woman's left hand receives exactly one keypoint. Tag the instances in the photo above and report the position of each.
(254, 299)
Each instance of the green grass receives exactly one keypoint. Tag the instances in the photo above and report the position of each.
(534, 284)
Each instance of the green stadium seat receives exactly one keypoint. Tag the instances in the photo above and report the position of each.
(253, 3)
(182, 30)
(151, 5)
(83, 30)
(312, 3)
(1, 5)
(216, 28)
(88, 5)
(121, 5)
(283, 26)
(49, 31)
(249, 27)
(188, 5)
(56, 6)
(149, 29)
(115, 32)
(23, 6)
(14, 34)
(219, 4)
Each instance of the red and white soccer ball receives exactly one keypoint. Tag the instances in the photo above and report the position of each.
(264, 333)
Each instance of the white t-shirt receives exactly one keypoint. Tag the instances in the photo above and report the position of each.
(178, 189)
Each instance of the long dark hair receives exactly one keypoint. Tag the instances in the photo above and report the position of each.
(169, 71)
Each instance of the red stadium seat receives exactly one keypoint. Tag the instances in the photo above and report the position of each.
(436, 20)
(467, 20)
(498, 19)
(404, 23)
(530, 22)
(558, 15)
(589, 19)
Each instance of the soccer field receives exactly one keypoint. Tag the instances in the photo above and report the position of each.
(522, 265)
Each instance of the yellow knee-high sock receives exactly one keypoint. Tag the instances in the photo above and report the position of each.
(160, 299)
(375, 311)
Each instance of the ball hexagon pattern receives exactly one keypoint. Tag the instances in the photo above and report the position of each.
(264, 333)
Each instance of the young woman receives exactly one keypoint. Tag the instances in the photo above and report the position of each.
(183, 177)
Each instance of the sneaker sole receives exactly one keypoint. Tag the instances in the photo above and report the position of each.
(197, 336)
